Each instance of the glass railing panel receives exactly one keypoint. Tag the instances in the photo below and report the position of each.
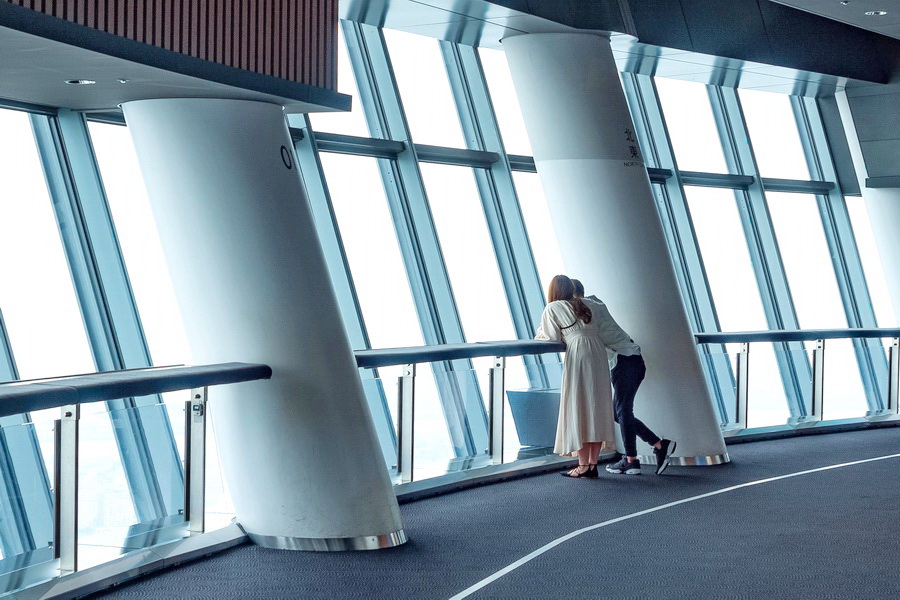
(462, 391)
(219, 509)
(766, 399)
(432, 448)
(532, 410)
(108, 521)
(26, 553)
(719, 363)
(843, 394)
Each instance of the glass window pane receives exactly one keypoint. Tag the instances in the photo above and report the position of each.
(424, 89)
(871, 261)
(726, 258)
(382, 287)
(349, 123)
(774, 135)
(691, 125)
(732, 281)
(373, 253)
(817, 300)
(36, 293)
(506, 105)
(541, 234)
(141, 248)
(807, 260)
(468, 252)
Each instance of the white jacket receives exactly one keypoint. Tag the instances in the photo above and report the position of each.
(616, 340)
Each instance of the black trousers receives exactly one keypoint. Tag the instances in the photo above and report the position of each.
(626, 377)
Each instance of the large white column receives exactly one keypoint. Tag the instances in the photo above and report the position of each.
(299, 452)
(610, 236)
(883, 206)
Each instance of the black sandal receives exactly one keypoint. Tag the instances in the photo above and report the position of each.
(591, 473)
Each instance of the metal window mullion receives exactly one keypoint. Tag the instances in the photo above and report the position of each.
(509, 234)
(681, 239)
(794, 365)
(341, 278)
(844, 253)
(417, 237)
(107, 306)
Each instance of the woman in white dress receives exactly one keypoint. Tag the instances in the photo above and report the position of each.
(586, 418)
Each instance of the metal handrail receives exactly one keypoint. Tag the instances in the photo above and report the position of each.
(68, 393)
(409, 357)
(385, 357)
(795, 335)
(819, 336)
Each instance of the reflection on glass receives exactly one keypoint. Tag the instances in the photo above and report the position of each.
(468, 252)
(871, 261)
(541, 235)
(774, 135)
(506, 104)
(37, 298)
(807, 260)
(691, 125)
(348, 123)
(424, 89)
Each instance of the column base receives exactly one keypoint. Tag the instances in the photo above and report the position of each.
(689, 461)
(363, 542)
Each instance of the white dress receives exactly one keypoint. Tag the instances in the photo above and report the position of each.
(585, 402)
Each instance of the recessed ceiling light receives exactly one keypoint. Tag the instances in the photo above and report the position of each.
(876, 13)
(80, 82)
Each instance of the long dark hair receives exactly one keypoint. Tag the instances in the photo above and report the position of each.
(562, 288)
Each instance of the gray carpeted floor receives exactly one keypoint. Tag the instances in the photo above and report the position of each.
(828, 534)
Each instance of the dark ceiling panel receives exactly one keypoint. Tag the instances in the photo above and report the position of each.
(809, 41)
(734, 29)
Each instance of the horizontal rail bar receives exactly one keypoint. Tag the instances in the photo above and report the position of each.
(350, 144)
(735, 182)
(797, 186)
(421, 354)
(456, 156)
(799, 335)
(37, 394)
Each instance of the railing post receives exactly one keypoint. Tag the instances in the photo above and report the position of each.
(65, 523)
(195, 461)
(407, 409)
(818, 380)
(893, 376)
(741, 384)
(496, 415)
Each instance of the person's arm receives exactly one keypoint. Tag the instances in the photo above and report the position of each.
(549, 328)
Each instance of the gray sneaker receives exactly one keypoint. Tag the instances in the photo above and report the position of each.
(625, 467)
(663, 455)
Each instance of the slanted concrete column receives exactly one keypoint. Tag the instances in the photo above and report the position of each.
(610, 235)
(299, 452)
